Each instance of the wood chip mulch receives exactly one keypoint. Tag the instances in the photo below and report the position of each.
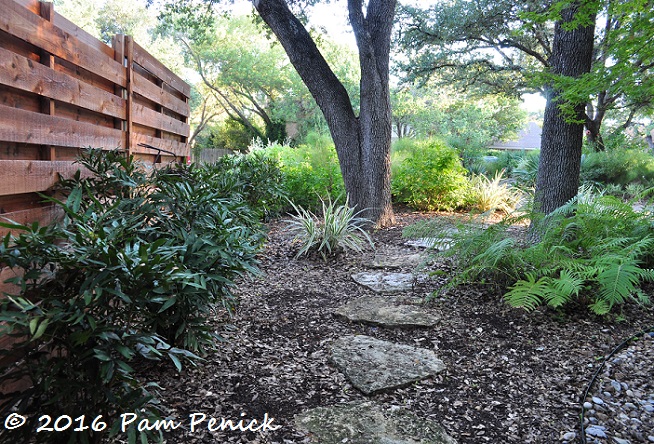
(511, 376)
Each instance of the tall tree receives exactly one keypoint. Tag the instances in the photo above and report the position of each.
(362, 141)
(248, 77)
(560, 157)
(363, 138)
(506, 46)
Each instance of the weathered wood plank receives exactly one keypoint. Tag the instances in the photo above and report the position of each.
(33, 176)
(42, 215)
(32, 5)
(153, 119)
(159, 70)
(20, 126)
(26, 75)
(157, 94)
(22, 23)
(83, 36)
(180, 149)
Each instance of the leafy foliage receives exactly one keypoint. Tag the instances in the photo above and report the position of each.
(595, 249)
(340, 229)
(429, 175)
(311, 172)
(467, 122)
(619, 167)
(134, 272)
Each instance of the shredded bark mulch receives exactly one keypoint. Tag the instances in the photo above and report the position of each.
(511, 376)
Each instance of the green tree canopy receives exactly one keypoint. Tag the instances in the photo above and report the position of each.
(507, 46)
(463, 120)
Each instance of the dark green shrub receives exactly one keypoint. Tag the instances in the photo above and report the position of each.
(429, 176)
(506, 161)
(595, 249)
(618, 167)
(526, 171)
(254, 178)
(136, 271)
(232, 135)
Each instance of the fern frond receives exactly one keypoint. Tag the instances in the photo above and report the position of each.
(600, 307)
(618, 281)
(528, 293)
(563, 288)
(496, 252)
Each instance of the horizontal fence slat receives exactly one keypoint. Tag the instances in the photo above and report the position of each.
(153, 119)
(155, 93)
(42, 215)
(20, 126)
(33, 176)
(159, 70)
(33, 29)
(71, 28)
(27, 75)
(179, 148)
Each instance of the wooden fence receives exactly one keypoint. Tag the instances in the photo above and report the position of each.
(61, 90)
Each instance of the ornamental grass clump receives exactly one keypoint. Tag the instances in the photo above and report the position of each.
(494, 194)
(340, 229)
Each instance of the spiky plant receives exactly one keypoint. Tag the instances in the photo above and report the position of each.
(341, 228)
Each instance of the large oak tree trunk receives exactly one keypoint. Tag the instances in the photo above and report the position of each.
(560, 157)
(362, 142)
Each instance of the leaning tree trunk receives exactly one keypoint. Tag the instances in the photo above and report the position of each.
(562, 137)
(362, 142)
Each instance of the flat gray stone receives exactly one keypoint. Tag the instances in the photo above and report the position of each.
(436, 243)
(383, 282)
(386, 311)
(375, 366)
(395, 261)
(369, 423)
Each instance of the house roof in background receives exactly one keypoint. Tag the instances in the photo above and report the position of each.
(528, 139)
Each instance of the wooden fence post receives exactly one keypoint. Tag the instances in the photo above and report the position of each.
(47, 59)
(124, 53)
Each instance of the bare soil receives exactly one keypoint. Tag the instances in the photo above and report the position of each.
(511, 376)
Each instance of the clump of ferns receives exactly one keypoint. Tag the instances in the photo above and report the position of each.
(595, 249)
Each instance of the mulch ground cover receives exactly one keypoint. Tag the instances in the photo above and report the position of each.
(511, 376)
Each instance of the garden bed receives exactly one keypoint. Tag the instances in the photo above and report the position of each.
(511, 376)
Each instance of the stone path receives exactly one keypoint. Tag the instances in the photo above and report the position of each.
(387, 311)
(384, 282)
(370, 423)
(373, 366)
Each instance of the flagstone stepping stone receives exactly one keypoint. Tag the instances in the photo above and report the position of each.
(369, 423)
(396, 260)
(386, 311)
(437, 243)
(383, 282)
(373, 366)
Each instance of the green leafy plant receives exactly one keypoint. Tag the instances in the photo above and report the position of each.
(430, 177)
(526, 170)
(596, 249)
(339, 229)
(134, 272)
(619, 167)
(311, 171)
